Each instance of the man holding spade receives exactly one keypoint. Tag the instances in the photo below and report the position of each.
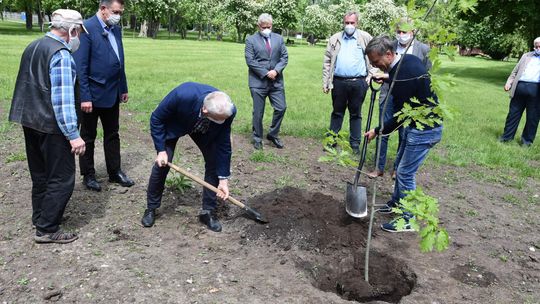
(411, 83)
(205, 114)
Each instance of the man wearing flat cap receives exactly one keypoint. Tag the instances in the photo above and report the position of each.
(45, 103)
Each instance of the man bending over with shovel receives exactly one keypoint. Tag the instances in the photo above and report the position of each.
(206, 115)
(412, 82)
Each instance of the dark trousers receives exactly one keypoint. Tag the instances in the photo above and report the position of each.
(111, 139)
(156, 184)
(52, 168)
(348, 94)
(526, 97)
(277, 100)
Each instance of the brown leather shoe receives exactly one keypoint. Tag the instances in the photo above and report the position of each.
(394, 174)
(375, 173)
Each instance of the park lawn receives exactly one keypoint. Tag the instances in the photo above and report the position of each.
(154, 67)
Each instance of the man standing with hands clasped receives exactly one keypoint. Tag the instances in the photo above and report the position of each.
(45, 103)
(100, 66)
(266, 57)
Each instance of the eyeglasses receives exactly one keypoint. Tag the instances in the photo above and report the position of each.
(401, 32)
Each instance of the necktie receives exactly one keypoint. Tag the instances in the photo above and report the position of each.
(267, 42)
(201, 126)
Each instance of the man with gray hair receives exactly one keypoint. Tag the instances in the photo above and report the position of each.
(412, 87)
(45, 103)
(266, 57)
(206, 114)
(523, 84)
(345, 72)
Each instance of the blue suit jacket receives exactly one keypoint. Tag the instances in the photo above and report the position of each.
(177, 114)
(102, 76)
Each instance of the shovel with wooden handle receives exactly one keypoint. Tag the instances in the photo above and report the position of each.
(256, 215)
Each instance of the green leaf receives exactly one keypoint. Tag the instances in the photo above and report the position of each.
(426, 245)
(442, 241)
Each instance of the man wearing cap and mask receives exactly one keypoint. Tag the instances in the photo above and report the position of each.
(45, 104)
(345, 72)
(100, 66)
(404, 39)
(523, 84)
(206, 115)
(266, 58)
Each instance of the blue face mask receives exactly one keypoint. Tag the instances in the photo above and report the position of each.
(536, 52)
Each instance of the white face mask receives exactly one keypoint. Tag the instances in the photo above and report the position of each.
(266, 32)
(74, 41)
(403, 38)
(349, 29)
(113, 19)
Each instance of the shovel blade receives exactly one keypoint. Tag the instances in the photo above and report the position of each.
(356, 201)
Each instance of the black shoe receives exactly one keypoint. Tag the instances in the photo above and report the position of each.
(91, 182)
(209, 218)
(258, 145)
(122, 179)
(149, 217)
(387, 208)
(275, 141)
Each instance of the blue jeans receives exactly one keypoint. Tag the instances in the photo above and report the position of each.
(413, 150)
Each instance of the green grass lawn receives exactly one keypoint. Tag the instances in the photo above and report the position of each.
(154, 67)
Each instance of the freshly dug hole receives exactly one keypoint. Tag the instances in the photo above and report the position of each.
(318, 224)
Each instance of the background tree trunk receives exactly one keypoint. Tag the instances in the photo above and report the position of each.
(28, 12)
(144, 29)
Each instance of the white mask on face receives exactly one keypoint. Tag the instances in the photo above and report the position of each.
(403, 38)
(74, 41)
(349, 29)
(266, 32)
(113, 19)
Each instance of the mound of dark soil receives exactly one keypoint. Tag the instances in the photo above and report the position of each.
(317, 223)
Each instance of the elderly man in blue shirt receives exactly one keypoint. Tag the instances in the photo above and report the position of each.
(44, 103)
(345, 69)
(525, 95)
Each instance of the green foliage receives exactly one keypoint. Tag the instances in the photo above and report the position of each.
(23, 281)
(261, 156)
(376, 17)
(317, 21)
(17, 156)
(178, 182)
(425, 210)
(338, 149)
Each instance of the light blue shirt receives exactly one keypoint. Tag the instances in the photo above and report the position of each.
(350, 61)
(532, 70)
(110, 36)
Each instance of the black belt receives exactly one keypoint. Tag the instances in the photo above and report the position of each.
(349, 78)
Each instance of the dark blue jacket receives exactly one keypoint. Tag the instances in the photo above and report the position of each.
(412, 81)
(177, 114)
(102, 76)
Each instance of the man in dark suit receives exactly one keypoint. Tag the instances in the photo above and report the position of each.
(100, 67)
(206, 114)
(266, 57)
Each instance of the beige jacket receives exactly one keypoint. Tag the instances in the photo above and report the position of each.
(518, 71)
(332, 50)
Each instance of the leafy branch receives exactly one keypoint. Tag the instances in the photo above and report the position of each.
(425, 220)
(338, 149)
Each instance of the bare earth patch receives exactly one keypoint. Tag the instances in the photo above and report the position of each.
(310, 252)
